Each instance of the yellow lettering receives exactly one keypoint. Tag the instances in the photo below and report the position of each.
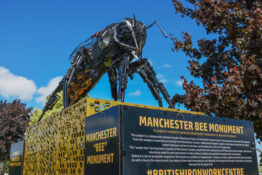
(100, 159)
(100, 146)
(101, 135)
(149, 122)
(142, 121)
(155, 122)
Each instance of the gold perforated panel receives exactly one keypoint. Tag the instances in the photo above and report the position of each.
(40, 147)
(55, 146)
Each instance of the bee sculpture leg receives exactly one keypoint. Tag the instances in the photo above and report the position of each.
(149, 76)
(123, 77)
(65, 95)
(52, 99)
(112, 76)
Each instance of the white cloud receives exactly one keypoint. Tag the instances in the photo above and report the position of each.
(159, 76)
(179, 82)
(162, 78)
(136, 93)
(45, 91)
(12, 85)
(167, 66)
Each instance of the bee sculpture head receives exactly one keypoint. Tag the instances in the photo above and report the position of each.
(131, 34)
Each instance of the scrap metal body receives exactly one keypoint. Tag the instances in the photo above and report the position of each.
(116, 50)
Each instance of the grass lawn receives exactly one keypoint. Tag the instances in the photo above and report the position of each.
(260, 169)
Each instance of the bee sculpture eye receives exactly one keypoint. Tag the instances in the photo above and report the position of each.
(124, 34)
(130, 35)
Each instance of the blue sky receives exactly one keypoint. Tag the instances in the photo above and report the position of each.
(37, 37)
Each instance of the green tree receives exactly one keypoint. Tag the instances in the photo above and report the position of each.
(34, 116)
(14, 119)
(230, 65)
(56, 108)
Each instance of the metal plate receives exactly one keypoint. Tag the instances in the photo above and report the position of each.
(163, 142)
(102, 143)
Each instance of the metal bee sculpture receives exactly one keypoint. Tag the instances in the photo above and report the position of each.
(117, 51)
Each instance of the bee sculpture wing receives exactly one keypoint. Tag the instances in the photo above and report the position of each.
(88, 43)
